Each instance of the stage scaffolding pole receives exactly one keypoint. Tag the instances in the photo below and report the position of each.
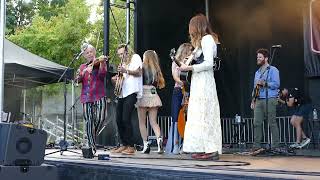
(72, 109)
(135, 32)
(106, 29)
(24, 91)
(2, 34)
(207, 9)
(128, 22)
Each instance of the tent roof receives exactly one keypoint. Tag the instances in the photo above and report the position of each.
(24, 69)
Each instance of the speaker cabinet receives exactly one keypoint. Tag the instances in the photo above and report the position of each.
(21, 146)
(47, 172)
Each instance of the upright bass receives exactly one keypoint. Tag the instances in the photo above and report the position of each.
(185, 77)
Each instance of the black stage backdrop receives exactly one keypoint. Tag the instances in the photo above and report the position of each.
(243, 26)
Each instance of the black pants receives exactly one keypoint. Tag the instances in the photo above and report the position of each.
(125, 108)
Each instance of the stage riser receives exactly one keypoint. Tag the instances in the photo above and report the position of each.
(72, 171)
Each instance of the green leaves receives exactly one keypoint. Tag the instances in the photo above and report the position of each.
(55, 29)
(56, 35)
(59, 37)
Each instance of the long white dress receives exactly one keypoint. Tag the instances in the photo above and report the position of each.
(203, 127)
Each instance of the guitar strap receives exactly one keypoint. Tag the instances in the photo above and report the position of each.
(261, 75)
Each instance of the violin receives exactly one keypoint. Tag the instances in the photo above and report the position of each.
(93, 64)
(97, 61)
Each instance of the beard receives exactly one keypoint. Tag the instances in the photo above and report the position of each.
(261, 63)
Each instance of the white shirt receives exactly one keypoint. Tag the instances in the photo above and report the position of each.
(132, 84)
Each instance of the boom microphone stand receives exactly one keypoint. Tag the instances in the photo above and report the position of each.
(63, 143)
(267, 96)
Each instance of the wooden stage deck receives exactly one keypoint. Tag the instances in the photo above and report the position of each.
(154, 166)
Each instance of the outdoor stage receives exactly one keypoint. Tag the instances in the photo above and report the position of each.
(140, 166)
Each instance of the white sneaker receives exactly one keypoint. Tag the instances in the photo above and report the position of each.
(295, 145)
(304, 142)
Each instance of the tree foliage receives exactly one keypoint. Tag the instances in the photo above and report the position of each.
(55, 30)
(19, 13)
(59, 37)
(56, 38)
(117, 30)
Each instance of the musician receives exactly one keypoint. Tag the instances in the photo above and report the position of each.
(131, 90)
(91, 75)
(293, 97)
(266, 83)
(202, 136)
(174, 140)
(150, 101)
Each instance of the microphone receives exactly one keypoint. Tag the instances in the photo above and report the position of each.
(277, 46)
(84, 46)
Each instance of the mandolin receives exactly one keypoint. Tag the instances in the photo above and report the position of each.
(185, 76)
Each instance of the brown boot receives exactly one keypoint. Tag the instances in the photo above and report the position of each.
(129, 151)
(118, 149)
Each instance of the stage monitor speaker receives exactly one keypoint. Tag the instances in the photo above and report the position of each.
(47, 172)
(21, 146)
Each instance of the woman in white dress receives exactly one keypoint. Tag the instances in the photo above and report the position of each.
(202, 136)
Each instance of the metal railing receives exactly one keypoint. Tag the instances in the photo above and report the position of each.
(230, 130)
(164, 123)
(55, 130)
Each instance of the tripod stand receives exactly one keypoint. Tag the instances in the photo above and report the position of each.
(63, 143)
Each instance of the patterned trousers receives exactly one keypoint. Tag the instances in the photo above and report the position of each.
(94, 114)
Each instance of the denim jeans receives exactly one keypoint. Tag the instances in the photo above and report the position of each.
(174, 140)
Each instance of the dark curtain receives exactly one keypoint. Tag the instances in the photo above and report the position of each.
(162, 25)
(243, 27)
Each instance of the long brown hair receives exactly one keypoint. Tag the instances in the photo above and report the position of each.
(199, 26)
(183, 51)
(151, 62)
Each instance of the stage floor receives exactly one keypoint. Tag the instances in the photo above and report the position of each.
(182, 166)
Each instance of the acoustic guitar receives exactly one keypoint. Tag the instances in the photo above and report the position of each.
(256, 92)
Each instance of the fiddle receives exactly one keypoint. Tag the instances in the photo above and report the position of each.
(98, 61)
(93, 64)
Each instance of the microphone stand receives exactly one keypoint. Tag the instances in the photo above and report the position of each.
(63, 143)
(68, 67)
(267, 98)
